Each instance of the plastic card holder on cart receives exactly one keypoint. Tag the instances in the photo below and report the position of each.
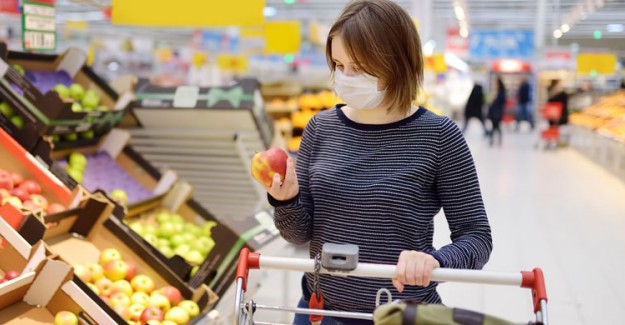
(337, 257)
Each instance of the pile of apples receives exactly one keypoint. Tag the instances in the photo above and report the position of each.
(8, 276)
(83, 101)
(172, 235)
(24, 194)
(134, 296)
(9, 112)
(65, 318)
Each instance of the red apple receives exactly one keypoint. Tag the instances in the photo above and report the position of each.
(115, 270)
(3, 280)
(159, 301)
(123, 311)
(17, 179)
(56, 208)
(122, 286)
(132, 270)
(268, 163)
(12, 200)
(20, 193)
(109, 254)
(105, 286)
(151, 313)
(30, 206)
(6, 181)
(31, 187)
(191, 307)
(11, 275)
(142, 283)
(39, 200)
(119, 299)
(177, 315)
(65, 318)
(135, 312)
(171, 293)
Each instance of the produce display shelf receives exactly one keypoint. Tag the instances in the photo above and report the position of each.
(605, 151)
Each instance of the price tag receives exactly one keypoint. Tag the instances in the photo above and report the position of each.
(39, 26)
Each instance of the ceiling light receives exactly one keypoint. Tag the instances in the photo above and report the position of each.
(615, 28)
(464, 32)
(459, 13)
(565, 28)
(269, 11)
(557, 33)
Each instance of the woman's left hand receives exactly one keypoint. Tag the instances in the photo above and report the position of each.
(414, 268)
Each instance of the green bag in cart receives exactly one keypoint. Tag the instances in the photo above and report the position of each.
(402, 313)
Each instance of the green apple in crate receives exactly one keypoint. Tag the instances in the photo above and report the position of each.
(62, 90)
(6, 110)
(77, 91)
(119, 196)
(18, 121)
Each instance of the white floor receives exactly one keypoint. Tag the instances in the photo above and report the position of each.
(554, 210)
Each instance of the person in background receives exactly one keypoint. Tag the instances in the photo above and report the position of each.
(623, 83)
(374, 171)
(474, 107)
(558, 95)
(524, 111)
(496, 110)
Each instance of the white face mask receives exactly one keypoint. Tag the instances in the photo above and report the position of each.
(358, 92)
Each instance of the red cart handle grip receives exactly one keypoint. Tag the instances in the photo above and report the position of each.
(247, 261)
(535, 280)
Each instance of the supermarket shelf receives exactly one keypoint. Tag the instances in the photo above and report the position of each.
(605, 151)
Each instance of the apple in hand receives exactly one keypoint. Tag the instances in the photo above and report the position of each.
(268, 163)
(65, 318)
(142, 283)
(122, 286)
(115, 270)
(177, 315)
(109, 254)
(159, 301)
(191, 307)
(151, 313)
(31, 187)
(135, 312)
(20, 193)
(6, 181)
(172, 293)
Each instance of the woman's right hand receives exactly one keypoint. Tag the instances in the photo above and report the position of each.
(289, 188)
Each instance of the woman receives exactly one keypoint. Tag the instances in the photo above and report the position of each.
(558, 95)
(375, 172)
(496, 111)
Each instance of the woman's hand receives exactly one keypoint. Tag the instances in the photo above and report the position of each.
(288, 189)
(414, 268)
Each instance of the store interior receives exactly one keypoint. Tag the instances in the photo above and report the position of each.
(129, 133)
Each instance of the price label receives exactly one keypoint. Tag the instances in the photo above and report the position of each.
(38, 26)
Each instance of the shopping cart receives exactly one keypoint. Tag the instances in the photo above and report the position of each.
(244, 311)
(551, 112)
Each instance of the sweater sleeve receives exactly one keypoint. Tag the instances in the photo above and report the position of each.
(294, 217)
(459, 193)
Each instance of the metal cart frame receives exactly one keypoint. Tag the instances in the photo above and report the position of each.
(243, 312)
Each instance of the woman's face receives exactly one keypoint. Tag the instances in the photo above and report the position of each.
(344, 63)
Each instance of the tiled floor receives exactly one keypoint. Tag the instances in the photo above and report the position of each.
(554, 210)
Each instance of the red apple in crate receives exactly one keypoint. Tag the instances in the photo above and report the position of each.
(56, 208)
(135, 311)
(6, 181)
(105, 286)
(39, 200)
(159, 301)
(17, 179)
(191, 307)
(30, 206)
(119, 299)
(268, 163)
(96, 271)
(132, 270)
(11, 275)
(83, 273)
(65, 318)
(20, 193)
(122, 286)
(171, 293)
(177, 315)
(151, 313)
(31, 187)
(142, 283)
(121, 310)
(12, 200)
(109, 254)
(115, 270)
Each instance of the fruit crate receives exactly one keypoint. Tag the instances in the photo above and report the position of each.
(16, 159)
(40, 283)
(30, 94)
(208, 135)
(80, 237)
(113, 164)
(24, 133)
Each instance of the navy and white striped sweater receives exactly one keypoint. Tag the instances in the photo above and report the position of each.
(379, 187)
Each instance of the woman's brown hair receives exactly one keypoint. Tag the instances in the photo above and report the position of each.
(382, 40)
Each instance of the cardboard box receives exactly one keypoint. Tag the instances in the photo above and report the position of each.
(145, 177)
(17, 159)
(47, 111)
(79, 237)
(42, 283)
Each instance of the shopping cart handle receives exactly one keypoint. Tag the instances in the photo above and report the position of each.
(247, 261)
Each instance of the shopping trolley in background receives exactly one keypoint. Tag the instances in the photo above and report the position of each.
(551, 112)
(334, 261)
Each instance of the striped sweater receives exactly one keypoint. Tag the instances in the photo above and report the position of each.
(379, 187)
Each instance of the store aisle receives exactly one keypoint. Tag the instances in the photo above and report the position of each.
(554, 210)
